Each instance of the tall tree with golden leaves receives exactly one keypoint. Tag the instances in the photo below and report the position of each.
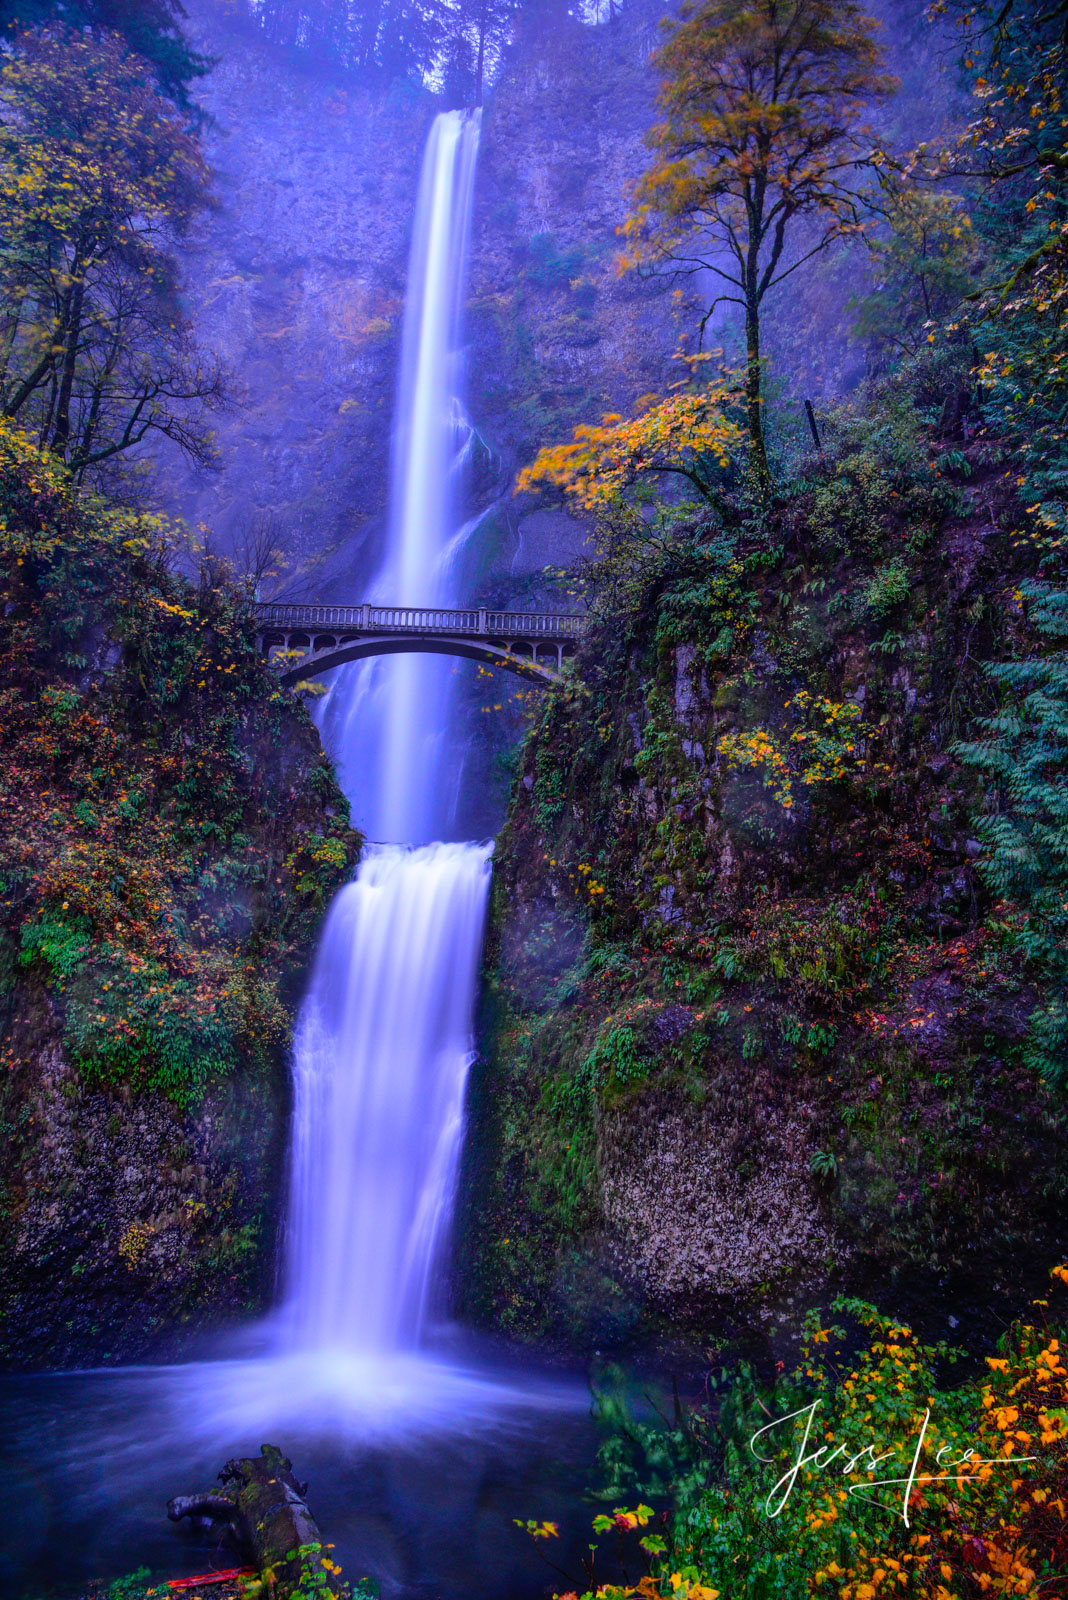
(763, 126)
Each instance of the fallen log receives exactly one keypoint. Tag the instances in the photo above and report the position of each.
(267, 1518)
(209, 1507)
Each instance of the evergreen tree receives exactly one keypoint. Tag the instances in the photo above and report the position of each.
(1025, 755)
(376, 38)
(150, 28)
(1015, 148)
(478, 31)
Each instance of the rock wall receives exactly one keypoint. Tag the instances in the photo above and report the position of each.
(711, 1198)
(170, 833)
(131, 1220)
(750, 1029)
(296, 279)
(135, 1225)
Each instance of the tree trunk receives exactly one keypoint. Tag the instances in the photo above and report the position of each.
(13, 321)
(367, 37)
(268, 1517)
(72, 337)
(753, 401)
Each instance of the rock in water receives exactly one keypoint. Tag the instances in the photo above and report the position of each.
(268, 1518)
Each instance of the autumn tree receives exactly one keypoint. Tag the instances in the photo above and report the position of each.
(97, 178)
(763, 104)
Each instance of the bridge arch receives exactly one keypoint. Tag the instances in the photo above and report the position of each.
(304, 640)
(322, 656)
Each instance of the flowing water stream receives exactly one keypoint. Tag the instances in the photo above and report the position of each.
(381, 1057)
(420, 1455)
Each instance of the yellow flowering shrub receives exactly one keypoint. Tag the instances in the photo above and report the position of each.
(831, 743)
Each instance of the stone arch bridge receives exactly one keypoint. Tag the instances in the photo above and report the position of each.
(303, 640)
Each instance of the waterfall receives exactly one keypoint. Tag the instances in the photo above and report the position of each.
(383, 1041)
(430, 437)
(381, 1053)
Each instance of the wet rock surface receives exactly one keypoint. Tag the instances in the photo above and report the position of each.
(134, 1224)
(710, 1204)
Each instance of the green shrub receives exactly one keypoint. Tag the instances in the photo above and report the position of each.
(553, 266)
(62, 943)
(890, 586)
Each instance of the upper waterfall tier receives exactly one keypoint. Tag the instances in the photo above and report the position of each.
(385, 722)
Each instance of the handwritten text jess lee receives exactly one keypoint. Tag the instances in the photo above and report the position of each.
(866, 1460)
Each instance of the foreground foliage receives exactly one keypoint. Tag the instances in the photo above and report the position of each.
(864, 1472)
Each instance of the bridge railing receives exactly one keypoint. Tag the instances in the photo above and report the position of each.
(421, 619)
(533, 622)
(417, 619)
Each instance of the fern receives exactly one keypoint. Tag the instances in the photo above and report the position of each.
(1025, 757)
